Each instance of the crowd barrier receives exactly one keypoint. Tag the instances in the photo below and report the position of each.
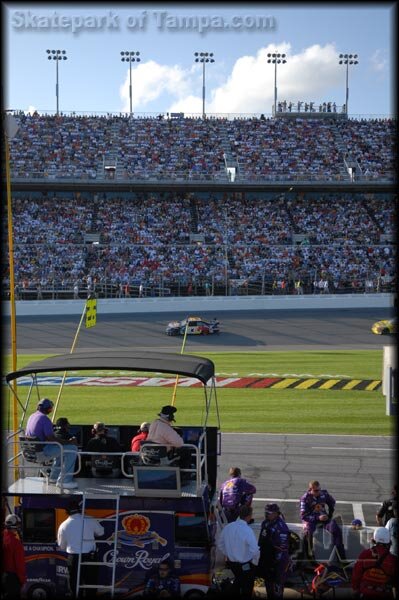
(192, 305)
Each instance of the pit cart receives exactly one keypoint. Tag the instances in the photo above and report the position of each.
(150, 513)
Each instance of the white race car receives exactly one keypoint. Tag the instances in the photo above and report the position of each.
(194, 326)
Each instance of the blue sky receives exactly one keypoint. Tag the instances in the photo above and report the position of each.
(167, 35)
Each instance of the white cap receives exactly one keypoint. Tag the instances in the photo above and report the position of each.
(381, 536)
(12, 521)
(144, 426)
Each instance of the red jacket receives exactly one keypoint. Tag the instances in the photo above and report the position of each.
(13, 555)
(136, 441)
(371, 581)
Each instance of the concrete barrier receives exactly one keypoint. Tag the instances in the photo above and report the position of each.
(200, 304)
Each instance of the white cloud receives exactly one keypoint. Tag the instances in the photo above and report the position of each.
(306, 76)
(188, 104)
(309, 75)
(30, 110)
(150, 80)
(378, 61)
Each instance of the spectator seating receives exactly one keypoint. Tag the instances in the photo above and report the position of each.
(65, 147)
(145, 238)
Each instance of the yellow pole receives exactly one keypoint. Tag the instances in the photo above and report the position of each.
(12, 296)
(65, 372)
(177, 376)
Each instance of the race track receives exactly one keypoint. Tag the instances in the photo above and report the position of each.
(241, 331)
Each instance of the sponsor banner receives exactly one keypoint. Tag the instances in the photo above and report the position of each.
(221, 382)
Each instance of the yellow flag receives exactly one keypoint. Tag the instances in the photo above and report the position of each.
(91, 312)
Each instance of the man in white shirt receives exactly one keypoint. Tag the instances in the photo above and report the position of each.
(239, 545)
(392, 526)
(162, 432)
(71, 539)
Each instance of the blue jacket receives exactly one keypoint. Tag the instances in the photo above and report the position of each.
(273, 542)
(312, 508)
(234, 491)
(155, 585)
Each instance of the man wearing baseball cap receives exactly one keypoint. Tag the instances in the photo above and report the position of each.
(356, 524)
(162, 432)
(76, 536)
(39, 426)
(104, 464)
(274, 556)
(376, 569)
(13, 575)
(141, 436)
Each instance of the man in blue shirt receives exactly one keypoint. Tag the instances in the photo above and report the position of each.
(39, 426)
(317, 508)
(274, 556)
(234, 493)
(163, 584)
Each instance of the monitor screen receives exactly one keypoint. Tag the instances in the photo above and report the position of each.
(76, 430)
(39, 525)
(157, 481)
(113, 431)
(191, 529)
(191, 435)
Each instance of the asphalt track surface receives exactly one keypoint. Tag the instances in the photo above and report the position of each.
(357, 470)
(241, 331)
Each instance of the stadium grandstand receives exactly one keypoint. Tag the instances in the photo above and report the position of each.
(122, 205)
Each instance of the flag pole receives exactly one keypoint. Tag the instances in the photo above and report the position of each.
(65, 372)
(177, 376)
(12, 296)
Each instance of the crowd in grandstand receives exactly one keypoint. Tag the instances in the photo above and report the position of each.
(50, 220)
(77, 147)
(145, 239)
(372, 143)
(149, 221)
(55, 146)
(170, 147)
(278, 147)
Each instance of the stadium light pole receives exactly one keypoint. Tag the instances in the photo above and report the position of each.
(347, 59)
(276, 58)
(130, 57)
(56, 55)
(203, 57)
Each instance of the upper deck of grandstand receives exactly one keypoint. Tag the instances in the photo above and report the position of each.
(129, 149)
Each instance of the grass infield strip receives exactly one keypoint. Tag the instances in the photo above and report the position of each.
(270, 410)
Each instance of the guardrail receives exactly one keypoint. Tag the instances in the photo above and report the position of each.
(259, 286)
(197, 470)
(203, 178)
(202, 304)
(46, 112)
(20, 464)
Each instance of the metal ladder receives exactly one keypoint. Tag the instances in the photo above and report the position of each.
(111, 587)
(220, 515)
